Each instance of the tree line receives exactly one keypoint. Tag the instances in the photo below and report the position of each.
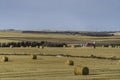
(32, 44)
(84, 33)
(97, 34)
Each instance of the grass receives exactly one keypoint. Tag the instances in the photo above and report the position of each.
(103, 52)
(19, 36)
(53, 68)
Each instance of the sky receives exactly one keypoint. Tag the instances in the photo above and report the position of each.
(75, 15)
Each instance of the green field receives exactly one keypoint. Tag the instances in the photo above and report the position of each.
(22, 67)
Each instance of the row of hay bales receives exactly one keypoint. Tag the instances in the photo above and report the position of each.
(78, 70)
(81, 70)
(5, 58)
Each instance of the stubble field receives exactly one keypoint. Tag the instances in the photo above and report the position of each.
(22, 67)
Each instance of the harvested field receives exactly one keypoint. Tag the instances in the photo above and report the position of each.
(19, 36)
(50, 65)
(53, 68)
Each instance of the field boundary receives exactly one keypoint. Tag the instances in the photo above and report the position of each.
(63, 55)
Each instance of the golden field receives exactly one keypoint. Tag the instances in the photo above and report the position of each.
(22, 67)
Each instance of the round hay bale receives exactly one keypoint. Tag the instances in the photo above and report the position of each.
(118, 62)
(64, 46)
(79, 70)
(11, 46)
(33, 56)
(41, 47)
(69, 62)
(4, 59)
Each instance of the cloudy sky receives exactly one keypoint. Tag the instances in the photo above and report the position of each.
(80, 15)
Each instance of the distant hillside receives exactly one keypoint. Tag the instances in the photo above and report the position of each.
(83, 33)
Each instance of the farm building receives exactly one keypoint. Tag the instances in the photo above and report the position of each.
(88, 44)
